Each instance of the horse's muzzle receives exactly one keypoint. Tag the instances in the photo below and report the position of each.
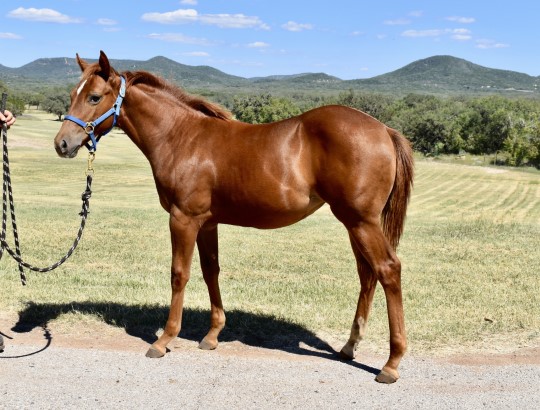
(65, 148)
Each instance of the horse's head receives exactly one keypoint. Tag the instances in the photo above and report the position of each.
(91, 101)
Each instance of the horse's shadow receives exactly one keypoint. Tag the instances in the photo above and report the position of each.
(143, 322)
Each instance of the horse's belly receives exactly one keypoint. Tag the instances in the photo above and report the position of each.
(268, 215)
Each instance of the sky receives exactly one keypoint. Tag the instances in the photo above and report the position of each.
(349, 39)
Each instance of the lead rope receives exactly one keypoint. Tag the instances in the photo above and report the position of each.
(8, 194)
(6, 190)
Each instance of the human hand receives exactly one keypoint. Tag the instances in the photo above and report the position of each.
(8, 118)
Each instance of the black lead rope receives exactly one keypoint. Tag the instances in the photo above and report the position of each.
(6, 191)
(7, 195)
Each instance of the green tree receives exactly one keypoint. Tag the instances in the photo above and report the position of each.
(57, 101)
(432, 124)
(15, 103)
(534, 154)
(263, 108)
(34, 99)
(376, 105)
(501, 124)
(488, 125)
(520, 144)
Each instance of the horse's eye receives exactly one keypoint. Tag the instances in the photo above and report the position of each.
(94, 99)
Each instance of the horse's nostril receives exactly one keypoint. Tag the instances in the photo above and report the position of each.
(63, 144)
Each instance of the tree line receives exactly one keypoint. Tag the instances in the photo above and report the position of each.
(435, 125)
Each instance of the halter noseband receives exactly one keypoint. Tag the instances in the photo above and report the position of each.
(90, 126)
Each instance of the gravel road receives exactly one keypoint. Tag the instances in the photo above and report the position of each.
(46, 373)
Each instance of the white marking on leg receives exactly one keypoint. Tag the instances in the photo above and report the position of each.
(358, 331)
(81, 87)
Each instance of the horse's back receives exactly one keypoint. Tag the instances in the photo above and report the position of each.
(337, 124)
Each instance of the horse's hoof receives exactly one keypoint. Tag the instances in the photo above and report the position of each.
(154, 353)
(206, 345)
(347, 353)
(386, 378)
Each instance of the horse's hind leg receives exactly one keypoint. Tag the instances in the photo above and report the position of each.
(368, 282)
(368, 236)
(207, 243)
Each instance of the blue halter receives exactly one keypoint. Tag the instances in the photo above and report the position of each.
(90, 126)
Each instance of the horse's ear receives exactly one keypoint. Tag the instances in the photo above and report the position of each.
(104, 65)
(83, 64)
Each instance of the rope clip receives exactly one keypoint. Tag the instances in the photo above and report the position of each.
(90, 170)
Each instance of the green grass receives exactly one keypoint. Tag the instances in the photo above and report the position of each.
(470, 254)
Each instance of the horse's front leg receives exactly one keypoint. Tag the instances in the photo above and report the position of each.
(184, 231)
(207, 244)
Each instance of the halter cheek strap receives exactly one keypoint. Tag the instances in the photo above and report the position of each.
(89, 127)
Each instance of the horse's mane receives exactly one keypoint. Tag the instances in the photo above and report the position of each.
(197, 103)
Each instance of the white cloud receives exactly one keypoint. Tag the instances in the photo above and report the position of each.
(10, 36)
(462, 20)
(233, 21)
(403, 21)
(42, 15)
(180, 16)
(424, 33)
(485, 44)
(109, 25)
(197, 54)
(397, 22)
(258, 44)
(460, 34)
(106, 22)
(189, 2)
(293, 26)
(183, 16)
(178, 38)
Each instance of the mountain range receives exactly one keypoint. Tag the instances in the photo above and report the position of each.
(434, 75)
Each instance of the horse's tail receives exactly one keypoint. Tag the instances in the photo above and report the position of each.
(393, 215)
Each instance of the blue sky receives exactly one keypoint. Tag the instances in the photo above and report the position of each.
(346, 38)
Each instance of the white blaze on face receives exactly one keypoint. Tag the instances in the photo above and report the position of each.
(81, 87)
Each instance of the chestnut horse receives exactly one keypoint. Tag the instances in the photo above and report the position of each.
(211, 169)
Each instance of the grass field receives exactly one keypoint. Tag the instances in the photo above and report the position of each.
(470, 254)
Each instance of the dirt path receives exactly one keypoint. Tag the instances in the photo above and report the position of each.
(106, 368)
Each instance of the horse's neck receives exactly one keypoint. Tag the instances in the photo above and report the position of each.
(147, 123)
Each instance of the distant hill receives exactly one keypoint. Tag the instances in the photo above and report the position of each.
(447, 73)
(435, 75)
(56, 71)
(304, 78)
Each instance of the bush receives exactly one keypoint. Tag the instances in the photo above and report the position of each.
(263, 108)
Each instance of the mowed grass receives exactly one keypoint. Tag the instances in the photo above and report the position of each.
(470, 254)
